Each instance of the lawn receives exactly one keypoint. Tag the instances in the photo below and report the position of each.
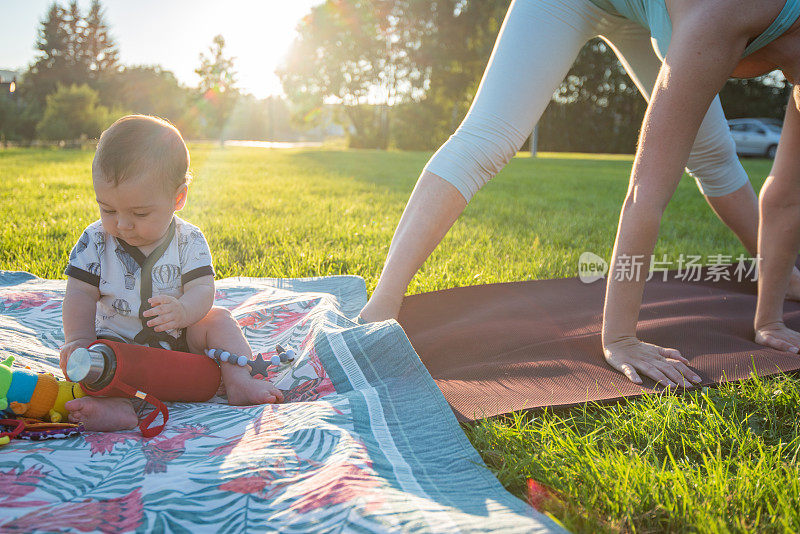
(718, 460)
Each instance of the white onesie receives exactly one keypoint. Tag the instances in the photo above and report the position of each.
(127, 278)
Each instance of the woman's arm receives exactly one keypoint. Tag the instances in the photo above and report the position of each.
(700, 58)
(779, 235)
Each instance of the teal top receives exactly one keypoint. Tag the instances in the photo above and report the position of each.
(653, 14)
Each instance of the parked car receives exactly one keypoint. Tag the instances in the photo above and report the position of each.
(756, 137)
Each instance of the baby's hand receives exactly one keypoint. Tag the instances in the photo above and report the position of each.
(67, 349)
(169, 313)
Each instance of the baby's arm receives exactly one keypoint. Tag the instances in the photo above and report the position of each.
(169, 313)
(79, 309)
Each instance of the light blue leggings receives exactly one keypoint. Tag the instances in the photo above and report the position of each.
(537, 44)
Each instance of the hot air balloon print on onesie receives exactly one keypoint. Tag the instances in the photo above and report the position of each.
(130, 265)
(80, 246)
(93, 268)
(187, 243)
(100, 243)
(166, 279)
(122, 307)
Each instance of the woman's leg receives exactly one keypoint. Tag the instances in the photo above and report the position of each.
(535, 48)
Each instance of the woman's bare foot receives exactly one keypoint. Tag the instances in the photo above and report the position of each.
(244, 390)
(778, 336)
(102, 414)
(381, 308)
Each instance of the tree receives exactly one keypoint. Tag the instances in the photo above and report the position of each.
(73, 49)
(352, 52)
(766, 96)
(217, 86)
(267, 119)
(597, 108)
(449, 43)
(98, 49)
(53, 65)
(420, 59)
(148, 90)
(9, 114)
(73, 112)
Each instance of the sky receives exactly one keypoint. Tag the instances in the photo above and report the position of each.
(172, 33)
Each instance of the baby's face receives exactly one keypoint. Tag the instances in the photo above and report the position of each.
(137, 210)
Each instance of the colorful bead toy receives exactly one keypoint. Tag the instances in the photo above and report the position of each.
(285, 355)
(225, 356)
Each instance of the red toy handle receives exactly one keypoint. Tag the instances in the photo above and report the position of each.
(18, 426)
(144, 424)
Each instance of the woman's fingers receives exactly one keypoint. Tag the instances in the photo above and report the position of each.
(671, 353)
(672, 373)
(686, 371)
(655, 373)
(630, 372)
(664, 365)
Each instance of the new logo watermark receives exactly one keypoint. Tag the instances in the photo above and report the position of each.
(687, 268)
(591, 267)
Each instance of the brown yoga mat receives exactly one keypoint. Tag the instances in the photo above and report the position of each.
(498, 348)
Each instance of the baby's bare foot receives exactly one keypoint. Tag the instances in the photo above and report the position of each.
(104, 414)
(244, 390)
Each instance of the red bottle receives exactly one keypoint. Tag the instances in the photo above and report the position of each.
(111, 369)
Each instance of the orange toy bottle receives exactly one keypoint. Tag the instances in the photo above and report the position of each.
(112, 369)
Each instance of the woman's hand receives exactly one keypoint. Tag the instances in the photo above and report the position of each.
(778, 336)
(666, 366)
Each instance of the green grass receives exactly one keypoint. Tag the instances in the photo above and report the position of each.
(720, 460)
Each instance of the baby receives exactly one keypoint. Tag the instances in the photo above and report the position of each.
(142, 275)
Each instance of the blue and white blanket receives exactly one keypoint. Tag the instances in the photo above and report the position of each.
(364, 443)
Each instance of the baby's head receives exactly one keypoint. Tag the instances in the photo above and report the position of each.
(140, 176)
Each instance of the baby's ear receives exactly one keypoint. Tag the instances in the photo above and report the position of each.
(180, 196)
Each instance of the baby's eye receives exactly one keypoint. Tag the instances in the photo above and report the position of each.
(141, 214)
(107, 211)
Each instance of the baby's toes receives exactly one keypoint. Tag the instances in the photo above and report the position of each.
(267, 396)
(76, 416)
(75, 405)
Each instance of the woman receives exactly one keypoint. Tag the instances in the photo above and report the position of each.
(708, 41)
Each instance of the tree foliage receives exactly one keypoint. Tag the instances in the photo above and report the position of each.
(597, 108)
(352, 52)
(397, 73)
(73, 112)
(423, 60)
(150, 90)
(217, 86)
(766, 96)
(73, 49)
(451, 41)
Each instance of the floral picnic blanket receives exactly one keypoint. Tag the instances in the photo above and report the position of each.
(364, 443)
